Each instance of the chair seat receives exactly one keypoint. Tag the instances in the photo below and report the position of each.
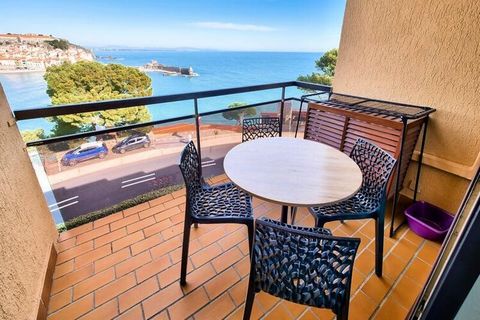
(223, 200)
(357, 207)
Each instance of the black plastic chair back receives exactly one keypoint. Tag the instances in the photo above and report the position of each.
(265, 127)
(304, 267)
(376, 166)
(190, 167)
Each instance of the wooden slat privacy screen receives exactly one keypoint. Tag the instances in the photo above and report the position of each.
(340, 127)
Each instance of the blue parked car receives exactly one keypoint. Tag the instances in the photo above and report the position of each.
(86, 151)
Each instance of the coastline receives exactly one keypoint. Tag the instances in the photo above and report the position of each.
(21, 71)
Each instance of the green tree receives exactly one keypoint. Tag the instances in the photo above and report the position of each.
(238, 114)
(326, 65)
(59, 44)
(86, 81)
(33, 135)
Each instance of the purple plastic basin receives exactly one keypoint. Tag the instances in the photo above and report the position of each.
(428, 221)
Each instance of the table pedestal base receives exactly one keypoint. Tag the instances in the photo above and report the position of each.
(284, 214)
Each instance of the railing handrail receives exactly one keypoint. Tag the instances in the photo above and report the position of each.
(58, 110)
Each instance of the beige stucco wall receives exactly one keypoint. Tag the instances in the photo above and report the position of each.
(26, 227)
(423, 52)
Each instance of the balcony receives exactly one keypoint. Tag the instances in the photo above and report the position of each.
(127, 265)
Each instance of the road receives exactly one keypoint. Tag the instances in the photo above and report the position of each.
(108, 187)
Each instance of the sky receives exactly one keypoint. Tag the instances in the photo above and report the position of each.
(244, 25)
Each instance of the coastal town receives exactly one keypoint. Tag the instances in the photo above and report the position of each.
(36, 52)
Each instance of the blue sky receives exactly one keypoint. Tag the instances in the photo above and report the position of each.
(259, 25)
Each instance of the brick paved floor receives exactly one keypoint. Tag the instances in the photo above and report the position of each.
(126, 266)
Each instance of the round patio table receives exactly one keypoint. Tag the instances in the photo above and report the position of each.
(292, 172)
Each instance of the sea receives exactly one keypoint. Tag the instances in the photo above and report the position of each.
(216, 70)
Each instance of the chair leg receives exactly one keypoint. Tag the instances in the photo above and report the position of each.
(379, 234)
(195, 225)
(343, 314)
(186, 241)
(251, 234)
(250, 294)
(293, 215)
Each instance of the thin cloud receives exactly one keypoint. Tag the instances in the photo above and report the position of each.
(233, 26)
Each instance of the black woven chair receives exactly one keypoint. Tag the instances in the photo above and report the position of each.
(308, 266)
(265, 127)
(210, 204)
(369, 202)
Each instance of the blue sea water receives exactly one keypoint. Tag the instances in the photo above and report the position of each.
(216, 69)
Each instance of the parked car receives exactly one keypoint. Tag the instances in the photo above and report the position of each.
(135, 141)
(86, 151)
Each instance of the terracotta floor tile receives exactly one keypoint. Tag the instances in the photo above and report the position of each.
(175, 202)
(172, 231)
(361, 307)
(67, 244)
(74, 252)
(145, 244)
(127, 241)
(75, 231)
(137, 294)
(365, 262)
(418, 270)
(152, 268)
(243, 266)
(63, 269)
(111, 260)
(308, 315)
(167, 214)
(160, 200)
(203, 256)
(162, 299)
(393, 266)
(238, 291)
(137, 208)
(279, 312)
(107, 220)
(106, 311)
(74, 310)
(217, 309)
(406, 292)
(231, 240)
(188, 305)
(60, 300)
(92, 234)
(197, 277)
(226, 259)
(93, 283)
(114, 288)
(391, 310)
(124, 222)
(131, 228)
(266, 301)
(294, 309)
(172, 274)
(71, 278)
(323, 314)
(211, 237)
(166, 246)
(221, 282)
(429, 252)
(110, 237)
(376, 287)
(150, 256)
(157, 228)
(134, 313)
(91, 256)
(132, 263)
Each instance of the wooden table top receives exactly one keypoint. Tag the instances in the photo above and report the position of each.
(294, 172)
